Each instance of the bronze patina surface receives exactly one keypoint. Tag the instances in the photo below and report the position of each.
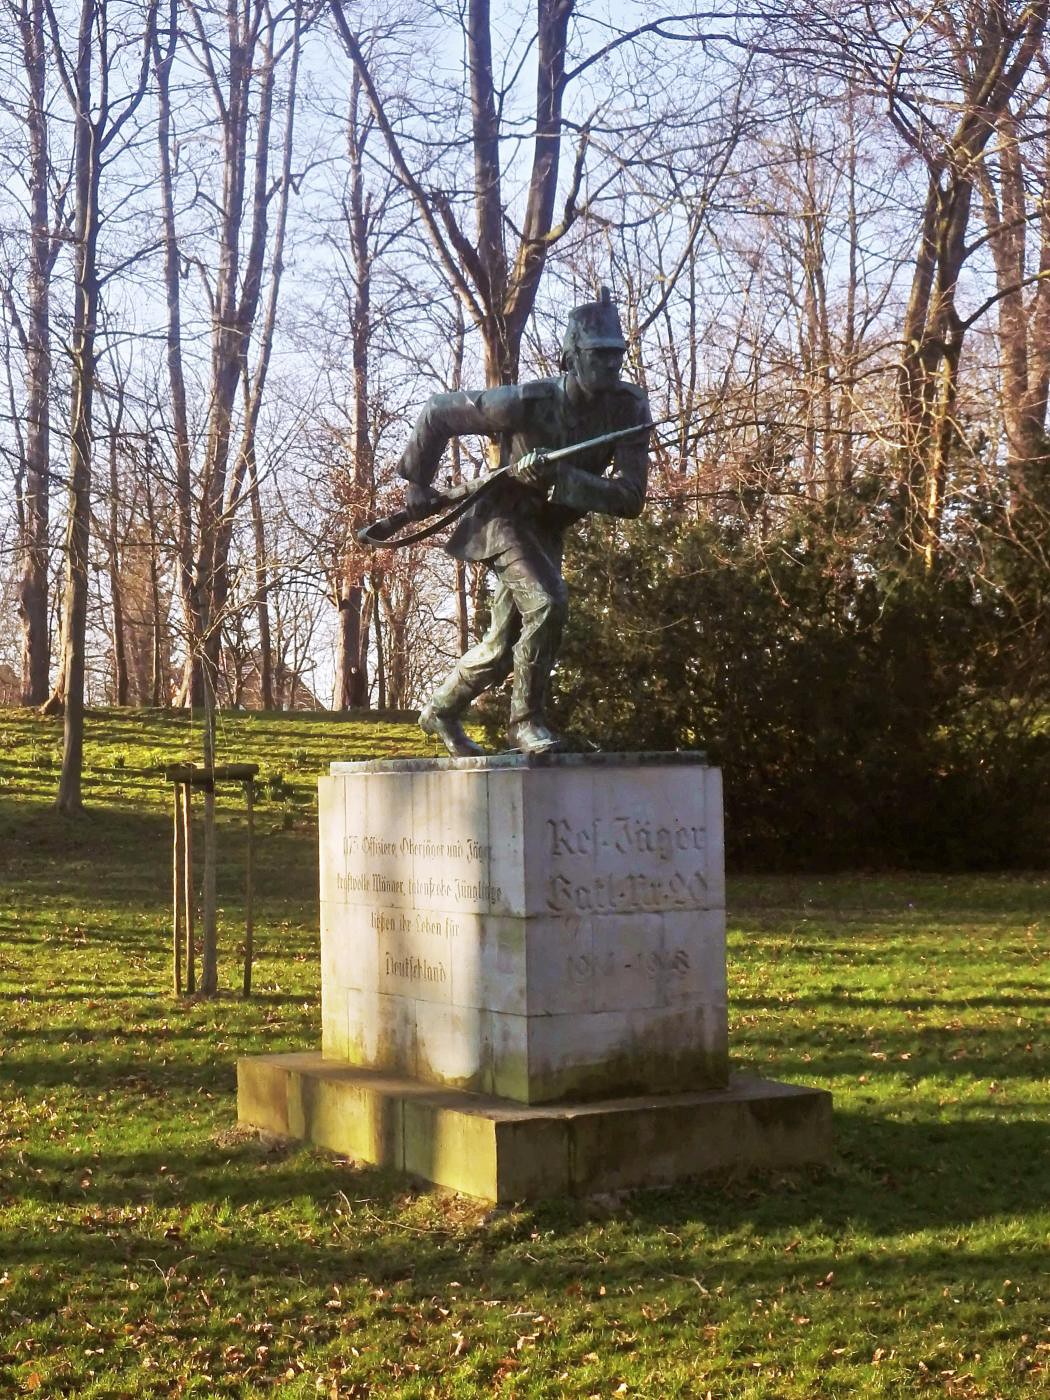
(518, 527)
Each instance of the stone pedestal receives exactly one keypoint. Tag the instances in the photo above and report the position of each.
(502, 934)
(537, 933)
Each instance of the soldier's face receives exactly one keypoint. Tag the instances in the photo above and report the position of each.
(597, 368)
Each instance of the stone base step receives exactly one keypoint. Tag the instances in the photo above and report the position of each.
(504, 1151)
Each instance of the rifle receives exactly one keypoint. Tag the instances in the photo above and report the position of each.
(457, 500)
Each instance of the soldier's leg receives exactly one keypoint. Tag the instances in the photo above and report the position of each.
(540, 598)
(488, 662)
(485, 665)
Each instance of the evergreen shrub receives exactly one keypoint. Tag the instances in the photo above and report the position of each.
(868, 710)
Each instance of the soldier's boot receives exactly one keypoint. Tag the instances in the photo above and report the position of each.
(531, 736)
(543, 614)
(528, 731)
(442, 716)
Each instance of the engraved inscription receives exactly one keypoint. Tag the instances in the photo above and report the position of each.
(415, 969)
(400, 876)
(586, 967)
(431, 888)
(412, 922)
(629, 836)
(354, 842)
(618, 894)
(350, 884)
(629, 862)
(415, 952)
(375, 846)
(477, 891)
(537, 923)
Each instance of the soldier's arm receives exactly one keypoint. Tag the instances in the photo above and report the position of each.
(485, 412)
(622, 492)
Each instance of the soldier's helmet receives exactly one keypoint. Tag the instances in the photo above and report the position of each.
(594, 325)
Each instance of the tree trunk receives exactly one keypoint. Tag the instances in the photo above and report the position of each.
(120, 656)
(844, 461)
(251, 57)
(462, 610)
(377, 584)
(497, 293)
(990, 71)
(157, 677)
(82, 369)
(1023, 325)
(209, 911)
(262, 605)
(352, 691)
(32, 590)
(163, 58)
(91, 136)
(351, 686)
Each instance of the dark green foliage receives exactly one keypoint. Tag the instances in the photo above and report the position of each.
(867, 711)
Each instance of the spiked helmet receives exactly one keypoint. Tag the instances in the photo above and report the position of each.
(593, 326)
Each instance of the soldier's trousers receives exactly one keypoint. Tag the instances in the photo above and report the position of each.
(528, 613)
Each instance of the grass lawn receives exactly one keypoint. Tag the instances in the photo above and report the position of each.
(149, 1247)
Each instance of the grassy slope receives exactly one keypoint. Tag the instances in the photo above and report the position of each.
(149, 1248)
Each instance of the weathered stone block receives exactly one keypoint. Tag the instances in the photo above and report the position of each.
(534, 928)
(504, 1151)
(524, 982)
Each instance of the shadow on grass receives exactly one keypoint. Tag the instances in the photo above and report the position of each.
(892, 1176)
(895, 1179)
(996, 1054)
(123, 856)
(995, 1058)
(421, 1268)
(848, 1000)
(890, 897)
(160, 1006)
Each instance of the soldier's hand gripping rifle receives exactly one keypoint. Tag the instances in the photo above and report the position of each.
(450, 504)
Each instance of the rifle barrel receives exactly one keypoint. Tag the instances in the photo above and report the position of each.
(459, 497)
(575, 448)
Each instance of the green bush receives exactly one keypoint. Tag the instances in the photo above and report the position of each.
(866, 711)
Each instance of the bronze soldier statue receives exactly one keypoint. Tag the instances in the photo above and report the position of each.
(517, 527)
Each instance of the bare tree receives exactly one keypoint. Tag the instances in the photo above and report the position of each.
(240, 61)
(165, 46)
(363, 210)
(1012, 177)
(99, 119)
(31, 323)
(947, 74)
(993, 48)
(496, 285)
(115, 409)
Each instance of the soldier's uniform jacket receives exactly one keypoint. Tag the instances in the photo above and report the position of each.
(522, 418)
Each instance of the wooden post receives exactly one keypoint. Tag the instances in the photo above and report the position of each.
(177, 893)
(187, 812)
(249, 891)
(185, 777)
(209, 872)
(209, 902)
